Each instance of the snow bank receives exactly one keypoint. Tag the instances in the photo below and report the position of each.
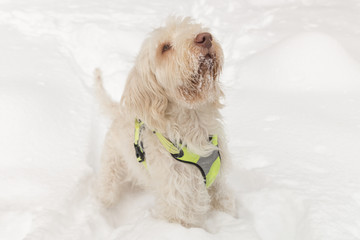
(307, 62)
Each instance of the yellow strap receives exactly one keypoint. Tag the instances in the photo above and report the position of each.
(213, 172)
(189, 156)
(138, 125)
(167, 144)
(214, 140)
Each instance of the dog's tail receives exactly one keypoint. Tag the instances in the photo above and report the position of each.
(109, 106)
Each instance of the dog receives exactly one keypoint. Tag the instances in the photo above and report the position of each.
(170, 104)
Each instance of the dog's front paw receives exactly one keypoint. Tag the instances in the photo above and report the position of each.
(105, 195)
(107, 200)
(225, 202)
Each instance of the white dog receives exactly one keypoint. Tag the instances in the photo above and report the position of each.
(168, 119)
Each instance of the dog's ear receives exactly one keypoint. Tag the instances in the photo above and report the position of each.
(144, 97)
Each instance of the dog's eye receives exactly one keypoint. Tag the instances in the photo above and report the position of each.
(166, 47)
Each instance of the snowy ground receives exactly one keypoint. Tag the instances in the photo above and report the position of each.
(292, 80)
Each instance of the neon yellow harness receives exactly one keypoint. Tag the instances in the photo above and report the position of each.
(209, 166)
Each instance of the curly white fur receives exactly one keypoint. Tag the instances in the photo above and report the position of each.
(174, 90)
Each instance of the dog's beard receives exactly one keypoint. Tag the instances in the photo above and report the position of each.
(205, 74)
(199, 85)
(208, 67)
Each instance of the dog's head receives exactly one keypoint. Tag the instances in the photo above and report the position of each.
(186, 61)
(179, 63)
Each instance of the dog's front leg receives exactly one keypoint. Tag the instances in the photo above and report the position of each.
(222, 197)
(182, 195)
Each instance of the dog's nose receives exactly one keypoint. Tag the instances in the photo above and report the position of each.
(204, 40)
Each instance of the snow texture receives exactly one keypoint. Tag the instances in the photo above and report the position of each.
(292, 115)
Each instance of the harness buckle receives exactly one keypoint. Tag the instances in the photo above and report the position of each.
(140, 155)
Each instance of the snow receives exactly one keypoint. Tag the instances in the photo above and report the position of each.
(301, 63)
(292, 81)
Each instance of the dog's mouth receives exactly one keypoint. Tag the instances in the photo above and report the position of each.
(206, 63)
(209, 56)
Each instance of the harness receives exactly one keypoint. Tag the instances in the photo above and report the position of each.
(209, 166)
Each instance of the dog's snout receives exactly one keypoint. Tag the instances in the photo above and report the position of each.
(204, 40)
